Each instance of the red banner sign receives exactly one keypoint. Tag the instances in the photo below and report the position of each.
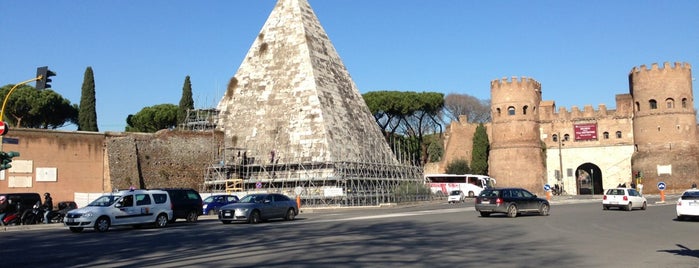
(585, 131)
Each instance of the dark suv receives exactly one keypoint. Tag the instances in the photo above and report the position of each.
(186, 203)
(511, 201)
(22, 201)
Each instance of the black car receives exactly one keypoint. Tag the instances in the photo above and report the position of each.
(510, 201)
(186, 203)
(22, 201)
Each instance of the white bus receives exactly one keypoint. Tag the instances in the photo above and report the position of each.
(470, 184)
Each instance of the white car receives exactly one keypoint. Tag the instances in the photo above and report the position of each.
(688, 204)
(456, 196)
(623, 198)
(133, 207)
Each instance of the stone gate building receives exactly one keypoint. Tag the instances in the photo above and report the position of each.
(649, 137)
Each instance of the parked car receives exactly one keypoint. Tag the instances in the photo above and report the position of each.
(623, 198)
(214, 202)
(186, 203)
(254, 208)
(132, 207)
(456, 196)
(511, 201)
(688, 205)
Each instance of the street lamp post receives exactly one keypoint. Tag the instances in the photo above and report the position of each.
(560, 160)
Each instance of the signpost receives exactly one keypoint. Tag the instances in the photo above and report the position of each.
(661, 187)
(3, 128)
(547, 188)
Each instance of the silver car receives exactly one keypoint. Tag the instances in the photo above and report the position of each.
(254, 208)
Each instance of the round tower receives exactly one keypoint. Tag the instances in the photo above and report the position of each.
(516, 157)
(664, 125)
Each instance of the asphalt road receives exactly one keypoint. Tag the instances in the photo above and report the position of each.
(576, 234)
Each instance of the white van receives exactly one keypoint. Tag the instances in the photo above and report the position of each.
(133, 207)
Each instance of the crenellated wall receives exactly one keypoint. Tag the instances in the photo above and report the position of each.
(635, 136)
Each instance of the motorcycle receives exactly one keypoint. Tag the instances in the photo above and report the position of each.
(14, 217)
(34, 215)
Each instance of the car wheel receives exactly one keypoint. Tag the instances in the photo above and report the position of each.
(680, 217)
(102, 224)
(76, 229)
(512, 211)
(161, 221)
(471, 194)
(192, 216)
(605, 208)
(254, 217)
(644, 206)
(629, 206)
(290, 214)
(544, 209)
(226, 222)
(485, 214)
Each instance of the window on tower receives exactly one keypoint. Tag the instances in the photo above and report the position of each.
(605, 135)
(653, 104)
(566, 137)
(555, 137)
(684, 103)
(511, 110)
(618, 134)
(670, 103)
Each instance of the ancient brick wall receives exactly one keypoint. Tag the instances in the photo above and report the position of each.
(164, 159)
(76, 157)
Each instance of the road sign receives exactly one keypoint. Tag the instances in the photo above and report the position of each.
(661, 185)
(3, 128)
(547, 187)
(258, 185)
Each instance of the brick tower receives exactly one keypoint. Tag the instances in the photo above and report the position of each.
(664, 125)
(292, 99)
(516, 157)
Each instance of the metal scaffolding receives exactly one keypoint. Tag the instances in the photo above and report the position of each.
(200, 119)
(318, 184)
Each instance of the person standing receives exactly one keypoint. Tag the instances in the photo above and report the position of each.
(48, 205)
(694, 185)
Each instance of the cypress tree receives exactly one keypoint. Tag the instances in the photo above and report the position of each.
(186, 102)
(87, 114)
(481, 148)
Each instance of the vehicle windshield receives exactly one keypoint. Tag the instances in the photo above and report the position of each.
(252, 199)
(208, 199)
(104, 201)
(692, 195)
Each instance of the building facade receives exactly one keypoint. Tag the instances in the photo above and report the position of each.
(650, 137)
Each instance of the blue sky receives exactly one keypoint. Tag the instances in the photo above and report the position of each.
(141, 51)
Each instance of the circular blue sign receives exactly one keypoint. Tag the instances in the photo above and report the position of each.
(661, 185)
(547, 187)
(258, 185)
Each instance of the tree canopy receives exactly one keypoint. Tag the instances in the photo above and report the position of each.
(186, 101)
(153, 118)
(30, 108)
(409, 116)
(480, 152)
(87, 116)
(475, 110)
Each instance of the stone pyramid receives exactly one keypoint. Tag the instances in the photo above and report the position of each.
(293, 100)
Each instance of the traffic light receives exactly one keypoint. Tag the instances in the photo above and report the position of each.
(6, 158)
(45, 75)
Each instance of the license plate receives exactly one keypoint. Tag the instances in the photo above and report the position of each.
(70, 220)
(695, 203)
(614, 202)
(227, 214)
